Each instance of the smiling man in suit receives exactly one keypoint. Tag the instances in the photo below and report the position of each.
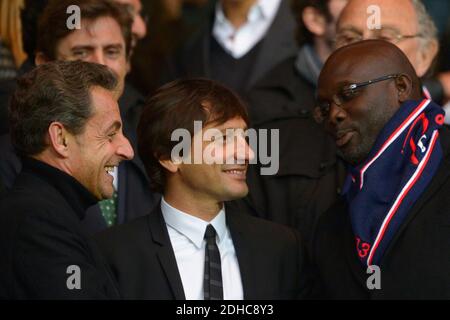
(194, 245)
(65, 125)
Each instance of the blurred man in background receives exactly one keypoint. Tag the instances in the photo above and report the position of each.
(242, 41)
(414, 33)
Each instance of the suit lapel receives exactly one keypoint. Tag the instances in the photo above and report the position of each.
(165, 252)
(438, 180)
(244, 253)
(275, 40)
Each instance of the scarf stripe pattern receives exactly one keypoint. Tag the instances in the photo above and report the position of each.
(381, 191)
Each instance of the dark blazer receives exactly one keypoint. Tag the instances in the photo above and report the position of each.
(6, 87)
(134, 195)
(310, 174)
(415, 265)
(270, 257)
(193, 60)
(41, 236)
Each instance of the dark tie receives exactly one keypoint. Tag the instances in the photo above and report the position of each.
(212, 284)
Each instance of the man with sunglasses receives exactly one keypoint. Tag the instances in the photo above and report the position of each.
(388, 236)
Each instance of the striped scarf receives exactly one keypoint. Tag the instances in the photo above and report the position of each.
(381, 191)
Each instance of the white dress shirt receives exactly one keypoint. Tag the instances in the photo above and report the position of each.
(186, 234)
(237, 42)
(115, 175)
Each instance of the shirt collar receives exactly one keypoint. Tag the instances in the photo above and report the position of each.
(262, 9)
(192, 227)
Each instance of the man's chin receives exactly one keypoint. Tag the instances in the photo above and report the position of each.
(236, 194)
(106, 193)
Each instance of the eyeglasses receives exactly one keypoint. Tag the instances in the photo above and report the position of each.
(346, 94)
(347, 37)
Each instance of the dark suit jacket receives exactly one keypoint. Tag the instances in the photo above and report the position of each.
(41, 236)
(279, 43)
(6, 87)
(310, 174)
(415, 265)
(134, 195)
(270, 256)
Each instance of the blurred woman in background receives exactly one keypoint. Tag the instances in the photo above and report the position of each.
(11, 48)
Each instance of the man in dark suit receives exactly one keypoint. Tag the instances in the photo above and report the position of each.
(194, 246)
(242, 41)
(387, 238)
(109, 45)
(66, 126)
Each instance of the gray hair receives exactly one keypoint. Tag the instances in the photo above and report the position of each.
(427, 28)
(56, 91)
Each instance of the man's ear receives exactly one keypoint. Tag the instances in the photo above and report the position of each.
(404, 86)
(169, 165)
(425, 57)
(59, 139)
(314, 21)
(40, 58)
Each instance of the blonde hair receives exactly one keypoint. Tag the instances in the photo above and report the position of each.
(11, 28)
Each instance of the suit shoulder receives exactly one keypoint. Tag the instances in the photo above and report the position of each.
(124, 236)
(265, 229)
(27, 202)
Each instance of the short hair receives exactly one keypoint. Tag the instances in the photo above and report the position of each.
(426, 27)
(52, 24)
(55, 91)
(177, 105)
(303, 35)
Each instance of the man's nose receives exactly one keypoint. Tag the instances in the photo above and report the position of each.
(336, 114)
(124, 149)
(98, 57)
(244, 150)
(139, 28)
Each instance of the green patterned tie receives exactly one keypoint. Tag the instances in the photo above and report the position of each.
(109, 208)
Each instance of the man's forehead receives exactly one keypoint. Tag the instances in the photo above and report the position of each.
(345, 69)
(136, 4)
(361, 14)
(101, 31)
(103, 100)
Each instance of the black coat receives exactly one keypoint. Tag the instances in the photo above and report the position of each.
(416, 263)
(271, 259)
(134, 195)
(6, 87)
(41, 237)
(310, 174)
(194, 58)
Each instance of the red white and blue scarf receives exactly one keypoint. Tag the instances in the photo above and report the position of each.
(381, 191)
